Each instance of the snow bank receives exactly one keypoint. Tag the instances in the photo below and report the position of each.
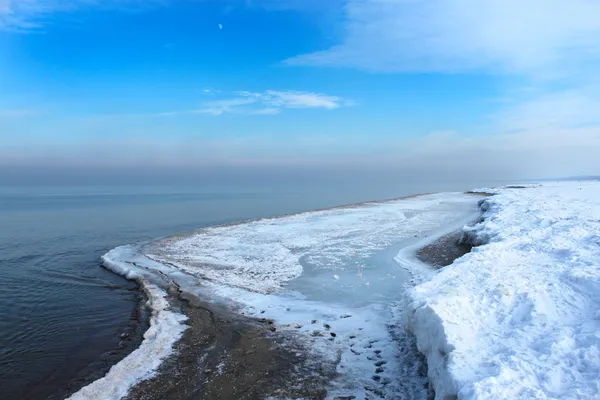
(519, 317)
(166, 327)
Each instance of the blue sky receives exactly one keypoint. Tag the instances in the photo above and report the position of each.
(498, 86)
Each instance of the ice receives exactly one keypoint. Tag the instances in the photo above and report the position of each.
(263, 255)
(517, 317)
(329, 277)
(166, 327)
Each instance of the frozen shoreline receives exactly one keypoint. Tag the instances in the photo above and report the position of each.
(287, 269)
(515, 318)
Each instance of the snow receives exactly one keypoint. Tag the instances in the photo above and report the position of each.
(166, 327)
(321, 273)
(518, 317)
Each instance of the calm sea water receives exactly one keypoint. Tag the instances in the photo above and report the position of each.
(62, 316)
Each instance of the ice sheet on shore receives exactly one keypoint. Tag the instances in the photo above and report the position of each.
(328, 276)
(518, 317)
(263, 255)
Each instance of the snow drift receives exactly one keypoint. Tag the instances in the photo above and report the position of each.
(518, 317)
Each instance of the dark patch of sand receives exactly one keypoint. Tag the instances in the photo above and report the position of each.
(444, 251)
(224, 355)
(482, 194)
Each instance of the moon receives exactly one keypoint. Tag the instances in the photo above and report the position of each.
(220, 26)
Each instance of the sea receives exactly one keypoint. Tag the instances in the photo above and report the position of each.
(65, 320)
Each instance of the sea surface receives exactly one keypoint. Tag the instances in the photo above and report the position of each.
(64, 320)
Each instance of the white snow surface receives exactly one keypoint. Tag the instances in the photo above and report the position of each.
(519, 316)
(166, 327)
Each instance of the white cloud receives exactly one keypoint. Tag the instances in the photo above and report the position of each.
(269, 102)
(531, 37)
(219, 107)
(551, 46)
(28, 15)
(301, 100)
(295, 99)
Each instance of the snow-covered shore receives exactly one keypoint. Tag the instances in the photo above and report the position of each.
(518, 317)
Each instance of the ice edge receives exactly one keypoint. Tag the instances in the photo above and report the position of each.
(166, 328)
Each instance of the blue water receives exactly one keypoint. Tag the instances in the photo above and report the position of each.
(62, 315)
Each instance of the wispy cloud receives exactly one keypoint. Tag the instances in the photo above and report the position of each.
(531, 37)
(552, 47)
(30, 15)
(295, 99)
(219, 107)
(269, 102)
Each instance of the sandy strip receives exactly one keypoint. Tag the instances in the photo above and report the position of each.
(227, 356)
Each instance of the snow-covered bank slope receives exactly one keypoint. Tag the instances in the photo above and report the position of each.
(519, 317)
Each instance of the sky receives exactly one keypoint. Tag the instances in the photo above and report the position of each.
(504, 89)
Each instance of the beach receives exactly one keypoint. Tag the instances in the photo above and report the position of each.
(300, 306)
(384, 300)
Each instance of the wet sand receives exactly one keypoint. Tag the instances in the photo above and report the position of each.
(448, 248)
(443, 251)
(228, 356)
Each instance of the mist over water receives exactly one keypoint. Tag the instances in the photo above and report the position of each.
(61, 314)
